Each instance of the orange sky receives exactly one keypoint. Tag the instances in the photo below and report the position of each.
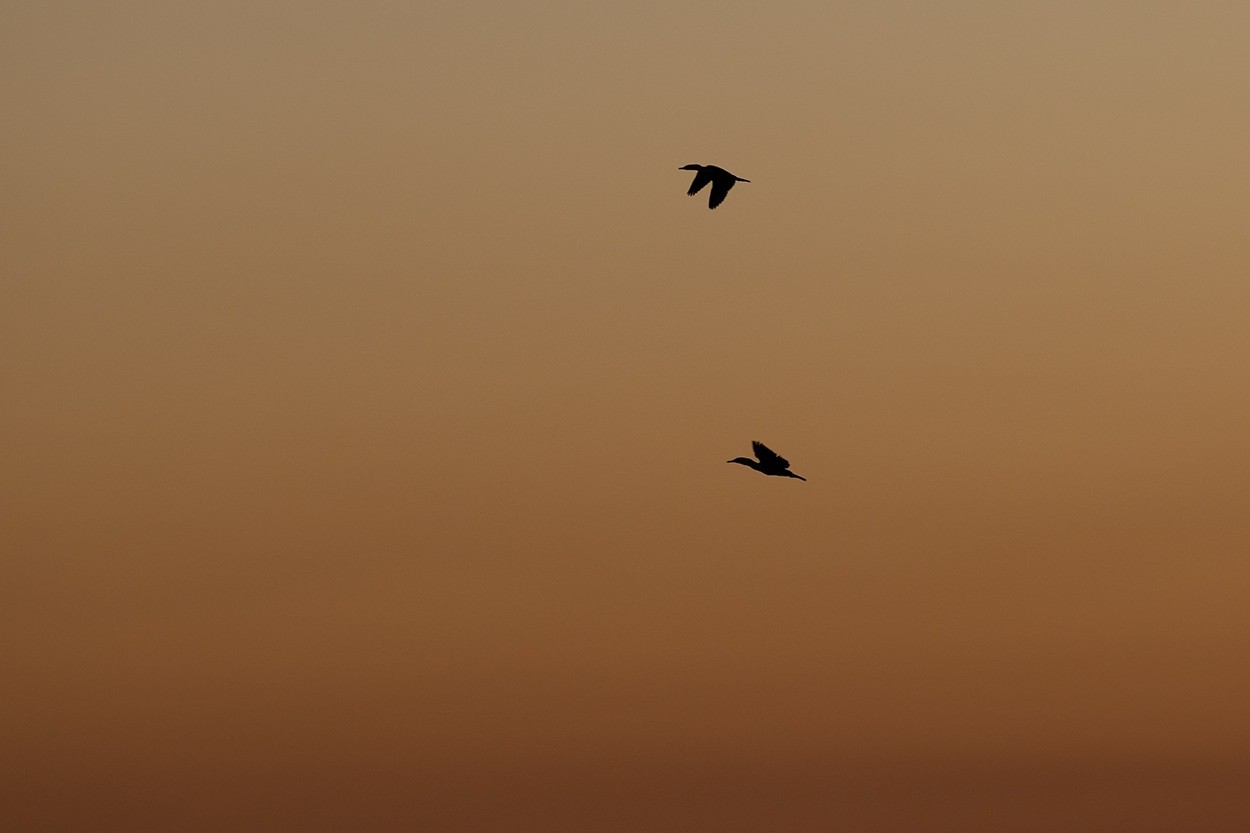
(370, 381)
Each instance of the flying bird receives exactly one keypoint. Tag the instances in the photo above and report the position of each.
(770, 462)
(721, 179)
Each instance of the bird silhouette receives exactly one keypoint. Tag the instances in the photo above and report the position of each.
(721, 179)
(770, 462)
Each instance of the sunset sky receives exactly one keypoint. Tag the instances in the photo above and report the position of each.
(369, 382)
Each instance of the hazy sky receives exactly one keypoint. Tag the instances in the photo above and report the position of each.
(369, 381)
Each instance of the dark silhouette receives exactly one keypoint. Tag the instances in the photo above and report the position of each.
(721, 179)
(770, 462)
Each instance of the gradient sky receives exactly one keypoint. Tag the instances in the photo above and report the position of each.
(369, 381)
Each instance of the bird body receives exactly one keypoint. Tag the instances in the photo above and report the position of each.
(769, 462)
(720, 179)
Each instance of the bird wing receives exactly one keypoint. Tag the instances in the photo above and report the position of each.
(719, 189)
(701, 179)
(768, 457)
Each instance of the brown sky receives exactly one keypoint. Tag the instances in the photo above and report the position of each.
(369, 382)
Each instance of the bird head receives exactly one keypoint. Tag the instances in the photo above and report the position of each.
(691, 167)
